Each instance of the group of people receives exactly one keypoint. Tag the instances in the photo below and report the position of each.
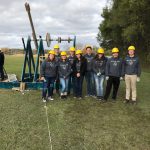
(66, 73)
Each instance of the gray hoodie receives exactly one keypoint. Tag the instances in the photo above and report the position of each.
(48, 68)
(64, 69)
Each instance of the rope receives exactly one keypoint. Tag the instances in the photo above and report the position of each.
(48, 127)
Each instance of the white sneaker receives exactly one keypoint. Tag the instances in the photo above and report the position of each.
(65, 93)
(44, 100)
(50, 98)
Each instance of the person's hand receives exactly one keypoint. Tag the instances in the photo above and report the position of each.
(121, 78)
(98, 74)
(43, 79)
(78, 74)
(138, 79)
(107, 77)
(64, 77)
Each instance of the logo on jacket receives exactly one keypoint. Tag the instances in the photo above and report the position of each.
(64, 66)
(100, 63)
(115, 63)
(131, 62)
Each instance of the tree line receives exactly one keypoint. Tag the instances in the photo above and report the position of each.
(126, 22)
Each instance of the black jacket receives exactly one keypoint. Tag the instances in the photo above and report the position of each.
(99, 65)
(80, 66)
(2, 58)
(64, 68)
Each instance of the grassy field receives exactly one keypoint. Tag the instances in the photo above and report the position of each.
(75, 124)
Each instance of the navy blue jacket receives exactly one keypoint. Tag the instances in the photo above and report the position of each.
(71, 59)
(89, 59)
(114, 67)
(57, 57)
(132, 66)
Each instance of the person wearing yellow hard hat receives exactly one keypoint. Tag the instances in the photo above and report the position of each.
(72, 55)
(2, 59)
(132, 74)
(48, 74)
(57, 52)
(99, 65)
(64, 71)
(57, 58)
(79, 69)
(114, 73)
(71, 59)
(89, 75)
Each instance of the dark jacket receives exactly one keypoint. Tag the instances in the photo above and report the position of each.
(71, 59)
(49, 68)
(57, 57)
(114, 67)
(132, 66)
(2, 58)
(99, 65)
(89, 59)
(79, 66)
(64, 69)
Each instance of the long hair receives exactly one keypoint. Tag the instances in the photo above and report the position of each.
(48, 59)
(97, 57)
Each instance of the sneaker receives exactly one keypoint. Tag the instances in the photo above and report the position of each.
(65, 93)
(80, 97)
(113, 99)
(99, 98)
(133, 102)
(104, 100)
(126, 101)
(87, 96)
(62, 97)
(50, 98)
(93, 96)
(44, 100)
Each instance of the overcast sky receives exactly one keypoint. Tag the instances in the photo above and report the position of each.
(59, 17)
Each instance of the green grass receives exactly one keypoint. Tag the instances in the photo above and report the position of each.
(75, 125)
(14, 64)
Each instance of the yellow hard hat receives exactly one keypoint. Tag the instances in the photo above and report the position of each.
(131, 48)
(115, 50)
(52, 52)
(88, 46)
(56, 46)
(78, 52)
(72, 49)
(100, 51)
(63, 53)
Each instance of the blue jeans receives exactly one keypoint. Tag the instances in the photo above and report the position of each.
(99, 82)
(78, 86)
(64, 84)
(71, 84)
(89, 76)
(48, 85)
